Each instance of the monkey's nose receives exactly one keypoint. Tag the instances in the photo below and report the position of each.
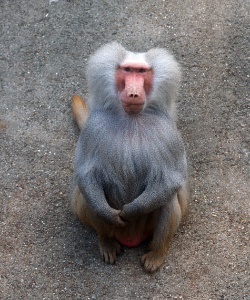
(133, 95)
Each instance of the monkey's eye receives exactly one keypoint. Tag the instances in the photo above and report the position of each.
(127, 69)
(141, 70)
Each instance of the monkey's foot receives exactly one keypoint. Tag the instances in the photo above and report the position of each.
(152, 261)
(109, 248)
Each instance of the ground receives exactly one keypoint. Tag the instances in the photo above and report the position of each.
(45, 252)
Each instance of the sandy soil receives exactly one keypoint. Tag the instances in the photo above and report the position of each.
(45, 252)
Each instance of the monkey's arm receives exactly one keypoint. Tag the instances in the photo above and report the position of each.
(94, 195)
(151, 199)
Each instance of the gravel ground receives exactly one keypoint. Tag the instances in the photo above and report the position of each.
(45, 252)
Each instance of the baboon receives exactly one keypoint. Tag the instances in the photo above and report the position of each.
(130, 181)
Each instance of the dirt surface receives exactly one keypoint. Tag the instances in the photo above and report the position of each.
(45, 253)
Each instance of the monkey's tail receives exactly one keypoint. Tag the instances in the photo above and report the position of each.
(80, 110)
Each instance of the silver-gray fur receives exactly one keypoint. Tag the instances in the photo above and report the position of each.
(101, 71)
(123, 162)
(131, 170)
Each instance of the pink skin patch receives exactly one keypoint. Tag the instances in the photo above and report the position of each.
(134, 83)
(132, 242)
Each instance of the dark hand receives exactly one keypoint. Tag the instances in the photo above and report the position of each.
(112, 216)
(130, 212)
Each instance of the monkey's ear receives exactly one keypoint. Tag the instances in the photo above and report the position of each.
(80, 110)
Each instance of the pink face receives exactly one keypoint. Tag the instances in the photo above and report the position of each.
(134, 83)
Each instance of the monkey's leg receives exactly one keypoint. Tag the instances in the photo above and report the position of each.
(183, 196)
(80, 110)
(109, 247)
(168, 223)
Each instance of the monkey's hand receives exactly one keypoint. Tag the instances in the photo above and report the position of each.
(151, 199)
(147, 202)
(111, 216)
(103, 211)
(130, 212)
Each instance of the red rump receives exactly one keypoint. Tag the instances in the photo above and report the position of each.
(132, 242)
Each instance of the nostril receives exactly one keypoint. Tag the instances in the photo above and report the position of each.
(133, 95)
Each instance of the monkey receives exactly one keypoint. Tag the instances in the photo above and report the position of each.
(130, 178)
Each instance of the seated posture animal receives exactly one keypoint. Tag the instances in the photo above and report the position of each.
(130, 166)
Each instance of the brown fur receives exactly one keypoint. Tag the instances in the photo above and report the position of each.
(80, 110)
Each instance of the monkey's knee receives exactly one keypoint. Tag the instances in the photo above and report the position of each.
(80, 110)
(175, 215)
(183, 197)
(168, 222)
(87, 216)
(80, 208)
